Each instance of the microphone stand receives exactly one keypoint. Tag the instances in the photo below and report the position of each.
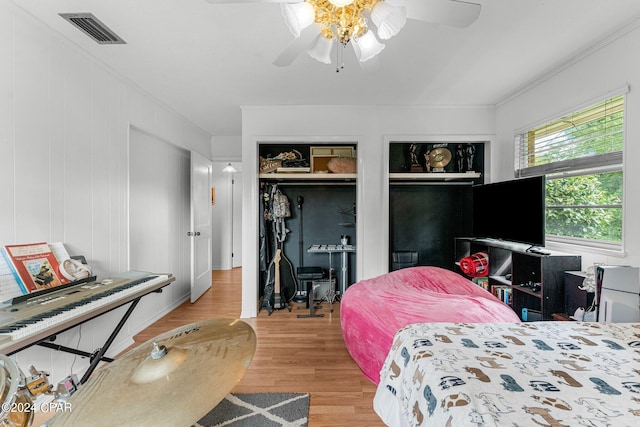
(299, 297)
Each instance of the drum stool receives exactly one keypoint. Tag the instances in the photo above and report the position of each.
(308, 275)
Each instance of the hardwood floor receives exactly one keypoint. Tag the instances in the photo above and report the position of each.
(294, 355)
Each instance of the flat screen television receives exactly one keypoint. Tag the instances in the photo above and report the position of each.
(511, 210)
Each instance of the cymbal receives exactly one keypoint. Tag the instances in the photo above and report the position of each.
(439, 157)
(173, 379)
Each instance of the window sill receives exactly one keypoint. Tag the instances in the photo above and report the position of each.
(581, 246)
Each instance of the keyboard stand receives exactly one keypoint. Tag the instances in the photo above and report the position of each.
(130, 294)
(70, 350)
(99, 354)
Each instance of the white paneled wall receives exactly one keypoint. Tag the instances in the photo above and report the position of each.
(7, 147)
(65, 123)
(606, 68)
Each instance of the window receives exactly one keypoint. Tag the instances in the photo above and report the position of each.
(581, 156)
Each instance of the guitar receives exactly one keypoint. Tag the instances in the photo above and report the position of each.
(288, 281)
(278, 302)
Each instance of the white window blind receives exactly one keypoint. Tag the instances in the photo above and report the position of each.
(591, 138)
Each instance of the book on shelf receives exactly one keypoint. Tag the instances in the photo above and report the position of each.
(503, 293)
(482, 282)
(34, 265)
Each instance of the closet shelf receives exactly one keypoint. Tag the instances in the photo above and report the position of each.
(308, 176)
(434, 175)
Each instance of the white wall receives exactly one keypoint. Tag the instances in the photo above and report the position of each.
(607, 67)
(64, 135)
(372, 128)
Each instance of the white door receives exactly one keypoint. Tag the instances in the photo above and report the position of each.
(200, 232)
(236, 260)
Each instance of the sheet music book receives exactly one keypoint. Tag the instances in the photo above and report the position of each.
(34, 266)
(9, 287)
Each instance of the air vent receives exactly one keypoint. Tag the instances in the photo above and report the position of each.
(92, 27)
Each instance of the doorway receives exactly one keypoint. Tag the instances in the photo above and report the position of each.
(236, 218)
(227, 217)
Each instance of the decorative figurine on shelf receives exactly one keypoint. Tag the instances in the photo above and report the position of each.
(470, 151)
(460, 157)
(413, 149)
(427, 162)
(413, 154)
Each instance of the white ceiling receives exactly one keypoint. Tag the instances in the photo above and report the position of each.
(206, 60)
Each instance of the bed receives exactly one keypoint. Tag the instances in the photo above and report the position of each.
(512, 374)
(372, 310)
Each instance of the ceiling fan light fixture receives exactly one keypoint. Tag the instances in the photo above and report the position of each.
(229, 168)
(321, 50)
(298, 16)
(367, 46)
(388, 19)
(341, 3)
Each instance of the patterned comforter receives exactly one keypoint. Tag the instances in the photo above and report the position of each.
(512, 374)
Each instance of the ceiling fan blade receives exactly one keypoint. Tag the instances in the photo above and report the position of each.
(453, 13)
(252, 1)
(297, 46)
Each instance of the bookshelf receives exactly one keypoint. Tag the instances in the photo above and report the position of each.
(531, 281)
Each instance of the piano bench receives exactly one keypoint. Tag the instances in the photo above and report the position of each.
(309, 273)
(306, 275)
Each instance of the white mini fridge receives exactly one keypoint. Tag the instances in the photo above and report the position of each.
(618, 288)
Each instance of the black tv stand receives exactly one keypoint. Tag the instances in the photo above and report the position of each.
(533, 275)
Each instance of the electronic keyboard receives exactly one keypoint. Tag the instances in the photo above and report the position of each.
(37, 318)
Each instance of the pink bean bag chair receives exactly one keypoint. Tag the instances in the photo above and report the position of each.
(372, 311)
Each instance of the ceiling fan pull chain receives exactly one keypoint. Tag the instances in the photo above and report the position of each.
(339, 57)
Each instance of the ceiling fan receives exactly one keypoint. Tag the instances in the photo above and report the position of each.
(318, 25)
